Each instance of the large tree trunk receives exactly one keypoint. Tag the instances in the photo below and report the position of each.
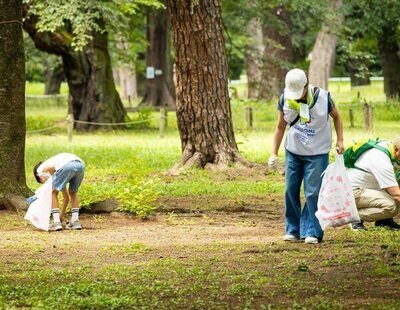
(127, 78)
(54, 75)
(389, 51)
(160, 90)
(12, 104)
(278, 54)
(94, 98)
(253, 57)
(203, 108)
(324, 50)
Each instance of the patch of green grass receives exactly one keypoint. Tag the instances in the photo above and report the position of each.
(37, 88)
(214, 276)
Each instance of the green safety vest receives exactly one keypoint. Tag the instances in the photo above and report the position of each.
(354, 152)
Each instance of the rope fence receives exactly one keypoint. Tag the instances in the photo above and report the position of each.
(70, 124)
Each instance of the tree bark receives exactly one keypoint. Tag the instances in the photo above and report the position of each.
(389, 51)
(54, 75)
(127, 78)
(324, 51)
(203, 107)
(12, 103)
(94, 97)
(160, 90)
(278, 54)
(253, 57)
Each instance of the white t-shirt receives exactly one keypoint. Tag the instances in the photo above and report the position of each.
(58, 161)
(378, 174)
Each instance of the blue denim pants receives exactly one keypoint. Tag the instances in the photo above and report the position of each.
(303, 222)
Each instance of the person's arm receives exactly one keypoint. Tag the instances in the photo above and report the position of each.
(337, 121)
(278, 136)
(394, 191)
(64, 204)
(49, 169)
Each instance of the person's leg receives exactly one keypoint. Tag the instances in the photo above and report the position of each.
(74, 185)
(374, 205)
(64, 203)
(55, 211)
(74, 205)
(313, 168)
(293, 179)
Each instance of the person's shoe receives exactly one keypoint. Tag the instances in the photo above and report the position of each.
(357, 226)
(387, 223)
(291, 238)
(55, 226)
(311, 240)
(76, 225)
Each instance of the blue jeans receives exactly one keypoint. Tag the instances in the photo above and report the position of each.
(303, 222)
(71, 173)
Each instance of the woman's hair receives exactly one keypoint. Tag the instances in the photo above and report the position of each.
(35, 173)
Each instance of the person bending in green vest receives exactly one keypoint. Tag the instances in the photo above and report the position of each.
(307, 111)
(372, 168)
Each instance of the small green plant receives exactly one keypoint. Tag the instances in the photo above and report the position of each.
(142, 121)
(138, 198)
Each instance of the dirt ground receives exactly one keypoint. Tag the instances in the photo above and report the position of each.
(179, 222)
(193, 228)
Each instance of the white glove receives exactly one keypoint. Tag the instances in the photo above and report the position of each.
(273, 162)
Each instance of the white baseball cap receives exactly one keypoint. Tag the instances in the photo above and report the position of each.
(295, 81)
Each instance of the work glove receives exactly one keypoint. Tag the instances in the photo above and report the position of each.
(273, 162)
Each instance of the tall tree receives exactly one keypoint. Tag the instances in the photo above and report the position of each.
(160, 90)
(12, 102)
(253, 57)
(203, 107)
(93, 94)
(379, 19)
(278, 52)
(53, 75)
(78, 32)
(324, 50)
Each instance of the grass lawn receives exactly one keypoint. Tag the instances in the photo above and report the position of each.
(216, 238)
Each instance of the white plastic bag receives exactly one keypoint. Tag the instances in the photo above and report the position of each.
(39, 210)
(336, 204)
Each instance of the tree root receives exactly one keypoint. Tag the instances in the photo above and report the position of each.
(223, 160)
(13, 202)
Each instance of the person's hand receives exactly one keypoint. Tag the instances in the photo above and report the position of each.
(339, 147)
(273, 162)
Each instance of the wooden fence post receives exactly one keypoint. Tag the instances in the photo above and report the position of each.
(248, 116)
(351, 116)
(365, 109)
(70, 126)
(163, 121)
(371, 118)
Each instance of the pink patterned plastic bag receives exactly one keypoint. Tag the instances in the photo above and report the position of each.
(336, 204)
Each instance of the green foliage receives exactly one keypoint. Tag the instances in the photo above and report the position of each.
(134, 197)
(142, 119)
(83, 17)
(138, 198)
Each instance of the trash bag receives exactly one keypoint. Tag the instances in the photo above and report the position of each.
(39, 210)
(336, 204)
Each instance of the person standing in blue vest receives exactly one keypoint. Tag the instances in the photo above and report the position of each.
(306, 110)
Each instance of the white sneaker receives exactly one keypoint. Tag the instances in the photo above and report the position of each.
(56, 226)
(311, 240)
(76, 225)
(291, 238)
